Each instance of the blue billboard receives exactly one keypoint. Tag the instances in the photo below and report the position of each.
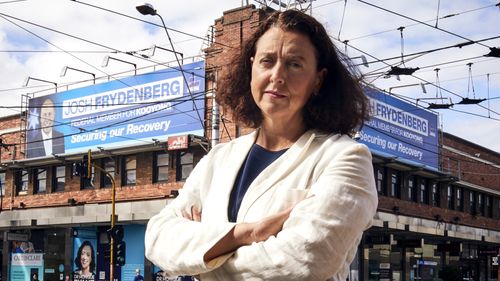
(123, 112)
(401, 129)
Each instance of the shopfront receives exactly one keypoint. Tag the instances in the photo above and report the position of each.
(70, 253)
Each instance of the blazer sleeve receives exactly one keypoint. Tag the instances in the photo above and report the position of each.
(322, 233)
(176, 244)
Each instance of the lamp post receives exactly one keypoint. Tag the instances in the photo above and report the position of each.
(148, 9)
(65, 69)
(106, 59)
(154, 47)
(27, 80)
(363, 59)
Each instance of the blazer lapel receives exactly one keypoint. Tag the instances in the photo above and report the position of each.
(226, 175)
(276, 171)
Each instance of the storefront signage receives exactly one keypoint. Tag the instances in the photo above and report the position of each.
(424, 262)
(118, 113)
(11, 236)
(385, 272)
(401, 129)
(178, 142)
(488, 252)
(494, 260)
(24, 266)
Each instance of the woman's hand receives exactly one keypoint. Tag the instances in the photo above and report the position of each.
(194, 214)
(269, 226)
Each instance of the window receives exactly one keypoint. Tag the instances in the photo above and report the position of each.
(459, 199)
(487, 207)
(109, 165)
(424, 193)
(395, 184)
(435, 194)
(472, 203)
(22, 178)
(161, 167)
(40, 181)
(89, 182)
(449, 197)
(380, 179)
(129, 173)
(480, 204)
(412, 190)
(59, 179)
(185, 165)
(2, 184)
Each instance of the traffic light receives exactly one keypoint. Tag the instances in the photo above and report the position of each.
(119, 250)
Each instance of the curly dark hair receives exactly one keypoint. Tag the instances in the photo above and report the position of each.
(340, 106)
(79, 254)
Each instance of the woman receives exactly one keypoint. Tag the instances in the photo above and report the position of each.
(289, 201)
(85, 262)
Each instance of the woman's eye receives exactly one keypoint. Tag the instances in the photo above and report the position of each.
(266, 61)
(295, 64)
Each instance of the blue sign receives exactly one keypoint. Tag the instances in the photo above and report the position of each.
(118, 113)
(401, 129)
(26, 266)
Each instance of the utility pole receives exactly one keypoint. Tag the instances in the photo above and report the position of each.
(113, 216)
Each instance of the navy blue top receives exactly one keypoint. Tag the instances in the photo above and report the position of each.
(257, 160)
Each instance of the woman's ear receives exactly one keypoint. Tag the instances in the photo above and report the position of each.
(320, 77)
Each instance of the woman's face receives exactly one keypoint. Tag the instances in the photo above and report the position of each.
(86, 257)
(284, 75)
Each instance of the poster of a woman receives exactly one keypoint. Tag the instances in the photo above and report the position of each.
(85, 263)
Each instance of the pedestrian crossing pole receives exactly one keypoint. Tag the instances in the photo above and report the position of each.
(113, 216)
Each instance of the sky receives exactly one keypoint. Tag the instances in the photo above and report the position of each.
(39, 38)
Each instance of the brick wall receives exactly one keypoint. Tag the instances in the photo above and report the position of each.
(469, 167)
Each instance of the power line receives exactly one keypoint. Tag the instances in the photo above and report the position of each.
(424, 23)
(151, 23)
(410, 25)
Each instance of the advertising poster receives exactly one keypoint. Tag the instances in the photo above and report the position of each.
(401, 129)
(84, 252)
(118, 113)
(26, 267)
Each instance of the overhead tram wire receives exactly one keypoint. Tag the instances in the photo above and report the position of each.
(424, 23)
(427, 82)
(78, 38)
(151, 23)
(2, 15)
(459, 45)
(54, 51)
(455, 94)
(415, 24)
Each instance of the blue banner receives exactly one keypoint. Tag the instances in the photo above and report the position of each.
(85, 255)
(118, 113)
(26, 267)
(400, 129)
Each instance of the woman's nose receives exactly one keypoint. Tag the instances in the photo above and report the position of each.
(278, 74)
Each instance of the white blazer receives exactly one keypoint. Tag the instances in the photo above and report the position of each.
(318, 241)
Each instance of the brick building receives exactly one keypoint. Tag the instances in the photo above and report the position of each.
(429, 218)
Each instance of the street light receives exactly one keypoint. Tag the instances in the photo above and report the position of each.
(106, 59)
(65, 69)
(27, 80)
(363, 59)
(154, 47)
(148, 9)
